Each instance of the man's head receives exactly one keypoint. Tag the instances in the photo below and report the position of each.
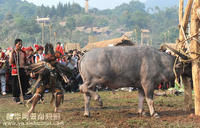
(40, 50)
(74, 53)
(18, 44)
(58, 43)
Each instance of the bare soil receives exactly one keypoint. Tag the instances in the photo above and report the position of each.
(119, 111)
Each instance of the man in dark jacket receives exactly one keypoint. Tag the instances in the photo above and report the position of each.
(18, 61)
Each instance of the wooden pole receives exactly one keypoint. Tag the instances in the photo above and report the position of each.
(141, 38)
(183, 22)
(181, 11)
(194, 47)
(55, 35)
(50, 31)
(187, 93)
(136, 37)
(43, 33)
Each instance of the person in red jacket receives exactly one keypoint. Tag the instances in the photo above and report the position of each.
(39, 56)
(59, 48)
(29, 55)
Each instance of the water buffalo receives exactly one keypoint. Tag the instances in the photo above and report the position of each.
(142, 67)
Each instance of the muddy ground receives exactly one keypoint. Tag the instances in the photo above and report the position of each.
(119, 111)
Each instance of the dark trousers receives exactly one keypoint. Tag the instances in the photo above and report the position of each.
(24, 83)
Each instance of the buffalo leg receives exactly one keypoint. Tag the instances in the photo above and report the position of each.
(141, 102)
(86, 88)
(96, 97)
(149, 92)
(87, 98)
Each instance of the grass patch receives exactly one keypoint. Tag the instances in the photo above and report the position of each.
(120, 111)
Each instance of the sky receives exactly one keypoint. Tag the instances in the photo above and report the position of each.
(100, 4)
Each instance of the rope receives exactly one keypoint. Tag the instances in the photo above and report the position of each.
(174, 70)
(190, 38)
(18, 75)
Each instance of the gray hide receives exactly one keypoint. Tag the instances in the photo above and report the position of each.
(115, 67)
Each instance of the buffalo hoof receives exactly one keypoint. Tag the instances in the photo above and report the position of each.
(143, 114)
(87, 114)
(155, 115)
(101, 104)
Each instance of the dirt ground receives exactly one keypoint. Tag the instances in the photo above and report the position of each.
(119, 111)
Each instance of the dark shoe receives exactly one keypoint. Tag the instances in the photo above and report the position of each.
(27, 97)
(17, 100)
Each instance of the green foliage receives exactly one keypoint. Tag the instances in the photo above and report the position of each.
(85, 20)
(28, 26)
(71, 23)
(101, 22)
(18, 20)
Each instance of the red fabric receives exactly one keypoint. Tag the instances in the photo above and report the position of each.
(160, 86)
(29, 49)
(37, 58)
(60, 49)
(14, 70)
(2, 57)
(38, 47)
(23, 49)
(9, 48)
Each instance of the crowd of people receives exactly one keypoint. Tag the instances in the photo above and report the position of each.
(13, 74)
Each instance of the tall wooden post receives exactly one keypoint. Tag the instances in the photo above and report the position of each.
(55, 36)
(136, 36)
(43, 33)
(142, 38)
(194, 47)
(181, 11)
(183, 22)
(50, 31)
(86, 6)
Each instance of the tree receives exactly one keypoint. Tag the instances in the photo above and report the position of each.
(8, 16)
(101, 22)
(71, 25)
(60, 10)
(194, 48)
(76, 9)
(27, 26)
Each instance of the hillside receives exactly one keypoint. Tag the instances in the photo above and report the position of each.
(16, 7)
(70, 23)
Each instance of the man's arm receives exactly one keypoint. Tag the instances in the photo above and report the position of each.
(11, 58)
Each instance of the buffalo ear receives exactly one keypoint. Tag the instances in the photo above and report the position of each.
(179, 65)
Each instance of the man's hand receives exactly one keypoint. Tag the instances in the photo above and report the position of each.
(32, 75)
